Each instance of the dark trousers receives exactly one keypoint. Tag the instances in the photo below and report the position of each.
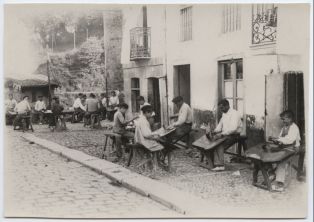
(123, 138)
(179, 133)
(18, 120)
(220, 149)
(39, 114)
(79, 113)
(103, 113)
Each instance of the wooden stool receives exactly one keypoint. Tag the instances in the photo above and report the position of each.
(112, 137)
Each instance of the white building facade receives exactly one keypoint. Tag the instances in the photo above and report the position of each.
(252, 55)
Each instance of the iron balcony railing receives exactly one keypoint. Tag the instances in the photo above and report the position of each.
(140, 43)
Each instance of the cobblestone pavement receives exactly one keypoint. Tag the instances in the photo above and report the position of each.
(220, 187)
(39, 183)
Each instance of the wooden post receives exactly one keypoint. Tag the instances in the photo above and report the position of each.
(49, 85)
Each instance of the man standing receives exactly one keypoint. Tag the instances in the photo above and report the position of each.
(230, 127)
(40, 108)
(103, 105)
(22, 109)
(184, 123)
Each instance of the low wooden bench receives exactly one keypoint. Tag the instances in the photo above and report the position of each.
(206, 147)
(146, 155)
(263, 159)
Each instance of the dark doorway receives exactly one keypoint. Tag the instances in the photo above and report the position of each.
(135, 92)
(153, 96)
(182, 82)
(294, 98)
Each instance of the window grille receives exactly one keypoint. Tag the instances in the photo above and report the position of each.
(264, 23)
(231, 18)
(186, 24)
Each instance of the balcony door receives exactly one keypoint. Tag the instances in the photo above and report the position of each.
(231, 83)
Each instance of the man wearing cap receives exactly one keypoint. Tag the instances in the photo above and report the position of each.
(40, 108)
(184, 123)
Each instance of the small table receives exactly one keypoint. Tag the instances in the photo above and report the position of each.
(263, 158)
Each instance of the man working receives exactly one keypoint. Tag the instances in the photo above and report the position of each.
(120, 122)
(10, 105)
(113, 105)
(40, 108)
(79, 109)
(56, 109)
(22, 109)
(230, 126)
(184, 123)
(289, 135)
(103, 105)
(92, 107)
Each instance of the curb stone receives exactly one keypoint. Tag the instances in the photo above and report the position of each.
(182, 202)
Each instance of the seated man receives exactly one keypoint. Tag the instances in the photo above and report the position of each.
(56, 109)
(92, 107)
(142, 103)
(120, 122)
(230, 126)
(22, 109)
(113, 105)
(289, 135)
(79, 108)
(40, 108)
(10, 105)
(184, 123)
(143, 132)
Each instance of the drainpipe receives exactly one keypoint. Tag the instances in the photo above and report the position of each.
(166, 75)
(265, 104)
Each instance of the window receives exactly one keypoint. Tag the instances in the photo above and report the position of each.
(186, 24)
(231, 18)
(264, 23)
(135, 92)
(231, 86)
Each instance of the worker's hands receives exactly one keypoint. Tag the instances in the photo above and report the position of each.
(218, 136)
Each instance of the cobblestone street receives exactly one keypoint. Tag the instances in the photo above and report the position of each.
(237, 190)
(39, 183)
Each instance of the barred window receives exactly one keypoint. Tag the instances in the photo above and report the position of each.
(186, 24)
(264, 23)
(231, 18)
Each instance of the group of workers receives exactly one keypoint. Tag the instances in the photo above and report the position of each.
(229, 127)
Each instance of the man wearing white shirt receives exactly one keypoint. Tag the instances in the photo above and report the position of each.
(10, 105)
(183, 124)
(79, 108)
(230, 126)
(22, 109)
(40, 108)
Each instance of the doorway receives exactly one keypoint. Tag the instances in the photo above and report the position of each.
(182, 82)
(153, 96)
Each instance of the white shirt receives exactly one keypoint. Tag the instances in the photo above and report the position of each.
(142, 131)
(78, 104)
(22, 107)
(40, 105)
(185, 115)
(292, 136)
(113, 101)
(230, 123)
(10, 104)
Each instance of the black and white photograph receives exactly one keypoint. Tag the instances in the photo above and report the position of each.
(165, 110)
